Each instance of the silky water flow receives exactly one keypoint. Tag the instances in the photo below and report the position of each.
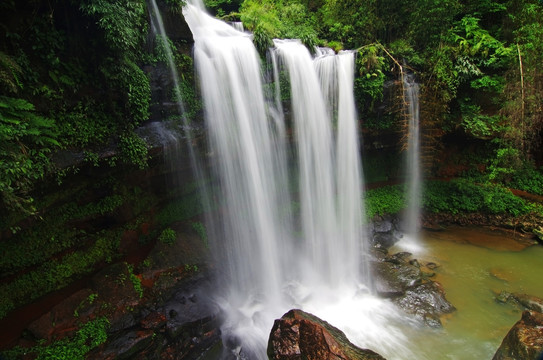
(288, 231)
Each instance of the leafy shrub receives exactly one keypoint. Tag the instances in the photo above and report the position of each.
(133, 150)
(26, 140)
(461, 196)
(168, 236)
(528, 179)
(384, 200)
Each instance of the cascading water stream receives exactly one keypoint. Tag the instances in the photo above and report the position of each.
(412, 219)
(268, 259)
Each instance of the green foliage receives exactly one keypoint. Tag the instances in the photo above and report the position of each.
(200, 230)
(10, 73)
(384, 200)
(26, 140)
(262, 38)
(133, 150)
(370, 63)
(528, 179)
(123, 22)
(89, 336)
(430, 20)
(461, 196)
(57, 273)
(136, 85)
(176, 3)
(136, 281)
(479, 125)
(268, 20)
(223, 7)
(354, 23)
(84, 124)
(167, 236)
(476, 43)
(403, 49)
(182, 209)
(504, 165)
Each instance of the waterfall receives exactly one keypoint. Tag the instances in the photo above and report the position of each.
(158, 27)
(245, 156)
(238, 25)
(269, 257)
(411, 94)
(330, 171)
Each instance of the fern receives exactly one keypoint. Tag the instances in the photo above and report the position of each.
(26, 139)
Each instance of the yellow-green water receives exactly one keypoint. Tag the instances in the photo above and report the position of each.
(475, 265)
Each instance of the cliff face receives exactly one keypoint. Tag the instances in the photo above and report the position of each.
(93, 73)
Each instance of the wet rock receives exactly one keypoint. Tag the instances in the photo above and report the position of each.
(384, 239)
(530, 302)
(63, 317)
(300, 335)
(524, 340)
(154, 320)
(122, 321)
(393, 279)
(125, 346)
(400, 258)
(113, 284)
(189, 313)
(187, 249)
(527, 302)
(382, 224)
(426, 302)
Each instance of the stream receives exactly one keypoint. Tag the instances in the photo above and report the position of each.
(475, 265)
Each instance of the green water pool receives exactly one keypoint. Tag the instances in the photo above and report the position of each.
(474, 266)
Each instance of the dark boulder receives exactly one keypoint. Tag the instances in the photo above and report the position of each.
(426, 302)
(393, 279)
(524, 340)
(300, 335)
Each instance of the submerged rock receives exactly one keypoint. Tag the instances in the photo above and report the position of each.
(524, 340)
(526, 302)
(300, 335)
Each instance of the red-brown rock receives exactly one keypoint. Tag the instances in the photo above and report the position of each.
(300, 335)
(524, 340)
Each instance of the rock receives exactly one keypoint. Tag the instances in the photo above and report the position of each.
(524, 340)
(400, 258)
(426, 302)
(114, 285)
(382, 225)
(190, 312)
(538, 232)
(527, 302)
(393, 279)
(125, 346)
(154, 320)
(384, 239)
(62, 317)
(300, 335)
(121, 321)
